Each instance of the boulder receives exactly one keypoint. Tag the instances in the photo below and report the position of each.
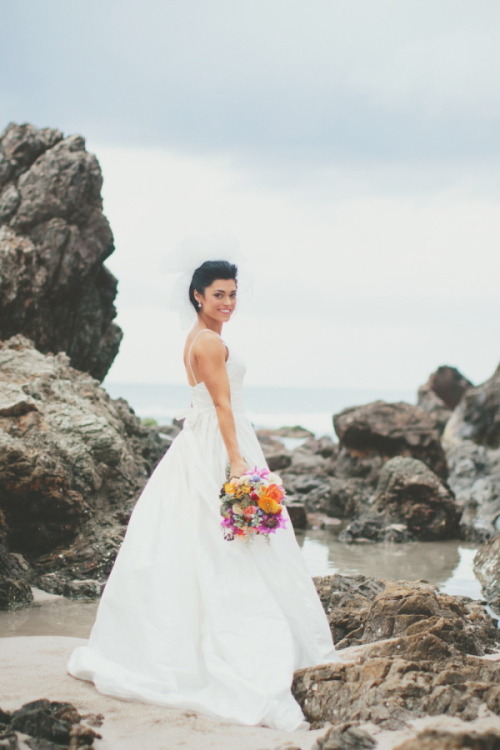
(54, 239)
(345, 736)
(447, 385)
(15, 578)
(410, 503)
(50, 725)
(371, 434)
(391, 688)
(288, 431)
(298, 515)
(477, 417)
(337, 498)
(364, 610)
(421, 656)
(472, 443)
(450, 739)
(487, 569)
(72, 463)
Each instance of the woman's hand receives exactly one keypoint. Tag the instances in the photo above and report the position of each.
(237, 468)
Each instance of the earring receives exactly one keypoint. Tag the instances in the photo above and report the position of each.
(199, 305)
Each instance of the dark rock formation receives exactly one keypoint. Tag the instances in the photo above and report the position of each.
(389, 689)
(477, 417)
(50, 725)
(15, 575)
(487, 569)
(447, 739)
(72, 462)
(428, 666)
(363, 610)
(472, 443)
(338, 498)
(410, 502)
(346, 736)
(54, 239)
(442, 393)
(371, 434)
(475, 480)
(298, 515)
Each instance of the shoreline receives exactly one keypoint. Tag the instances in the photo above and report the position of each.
(35, 666)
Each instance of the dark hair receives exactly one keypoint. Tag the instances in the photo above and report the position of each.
(207, 273)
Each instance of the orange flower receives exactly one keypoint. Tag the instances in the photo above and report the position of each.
(269, 505)
(229, 488)
(275, 492)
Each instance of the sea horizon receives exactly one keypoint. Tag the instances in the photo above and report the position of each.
(268, 407)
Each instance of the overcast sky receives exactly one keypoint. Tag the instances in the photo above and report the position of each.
(349, 150)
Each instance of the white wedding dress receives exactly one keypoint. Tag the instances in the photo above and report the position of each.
(190, 620)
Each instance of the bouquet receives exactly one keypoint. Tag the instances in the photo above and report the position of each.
(252, 504)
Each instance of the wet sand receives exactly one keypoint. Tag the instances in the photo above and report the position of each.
(35, 667)
(445, 564)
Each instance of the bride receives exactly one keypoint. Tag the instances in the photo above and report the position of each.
(189, 619)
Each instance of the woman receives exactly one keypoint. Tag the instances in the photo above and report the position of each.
(187, 618)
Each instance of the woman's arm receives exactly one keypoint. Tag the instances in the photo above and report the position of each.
(210, 359)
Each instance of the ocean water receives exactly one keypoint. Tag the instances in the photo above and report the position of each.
(270, 407)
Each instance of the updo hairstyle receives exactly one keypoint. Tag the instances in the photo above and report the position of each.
(207, 273)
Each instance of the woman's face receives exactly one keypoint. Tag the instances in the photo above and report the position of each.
(218, 300)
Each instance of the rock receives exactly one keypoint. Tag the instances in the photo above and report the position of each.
(477, 417)
(279, 461)
(303, 462)
(472, 443)
(424, 657)
(288, 431)
(323, 446)
(371, 434)
(475, 481)
(298, 515)
(15, 575)
(448, 739)
(71, 468)
(391, 689)
(363, 610)
(487, 569)
(277, 456)
(345, 737)
(52, 724)
(442, 392)
(410, 503)
(338, 498)
(54, 239)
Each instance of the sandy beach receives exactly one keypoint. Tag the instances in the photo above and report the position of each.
(34, 667)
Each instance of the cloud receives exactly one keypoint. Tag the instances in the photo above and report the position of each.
(271, 84)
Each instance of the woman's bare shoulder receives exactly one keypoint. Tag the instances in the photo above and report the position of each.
(205, 341)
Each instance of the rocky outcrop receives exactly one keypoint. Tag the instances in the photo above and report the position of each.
(410, 503)
(371, 434)
(472, 443)
(364, 610)
(72, 462)
(54, 239)
(442, 393)
(47, 725)
(487, 569)
(424, 658)
(477, 417)
(448, 739)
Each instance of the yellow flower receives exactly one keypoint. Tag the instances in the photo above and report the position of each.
(229, 488)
